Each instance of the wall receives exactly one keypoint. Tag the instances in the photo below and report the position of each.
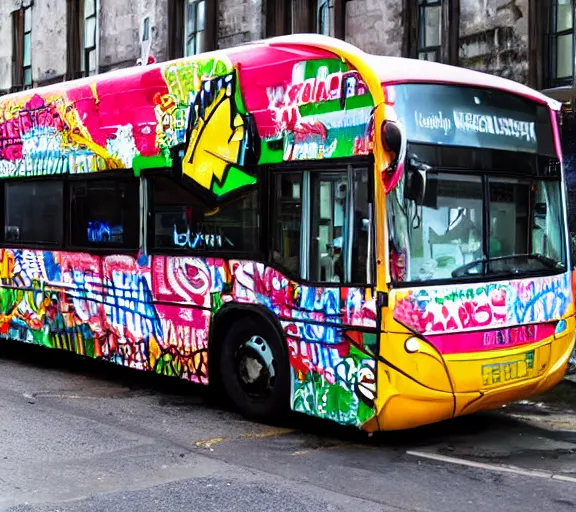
(375, 26)
(494, 37)
(159, 10)
(119, 28)
(6, 7)
(239, 21)
(48, 40)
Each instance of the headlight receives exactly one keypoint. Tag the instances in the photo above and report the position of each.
(412, 345)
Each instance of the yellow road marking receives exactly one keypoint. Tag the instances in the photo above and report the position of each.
(273, 432)
(209, 442)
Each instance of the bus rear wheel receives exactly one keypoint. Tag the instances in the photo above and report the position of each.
(254, 369)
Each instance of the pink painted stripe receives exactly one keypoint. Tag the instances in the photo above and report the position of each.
(480, 341)
(557, 139)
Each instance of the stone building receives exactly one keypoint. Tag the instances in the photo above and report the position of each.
(44, 41)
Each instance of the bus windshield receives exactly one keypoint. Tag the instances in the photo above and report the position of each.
(489, 203)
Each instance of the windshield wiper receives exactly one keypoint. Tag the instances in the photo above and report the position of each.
(464, 270)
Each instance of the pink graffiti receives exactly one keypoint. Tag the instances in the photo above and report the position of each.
(431, 316)
(34, 114)
(187, 280)
(313, 357)
(359, 310)
(185, 328)
(304, 131)
(285, 103)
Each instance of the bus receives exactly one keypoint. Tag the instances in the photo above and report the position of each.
(376, 241)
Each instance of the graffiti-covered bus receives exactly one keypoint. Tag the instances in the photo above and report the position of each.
(372, 240)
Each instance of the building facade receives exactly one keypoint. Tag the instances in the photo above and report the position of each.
(44, 41)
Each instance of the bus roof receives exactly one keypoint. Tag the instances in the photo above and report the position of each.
(392, 70)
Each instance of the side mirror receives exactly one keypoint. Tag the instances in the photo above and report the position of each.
(394, 143)
(421, 184)
(392, 138)
(414, 186)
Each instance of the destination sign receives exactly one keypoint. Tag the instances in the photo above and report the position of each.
(482, 118)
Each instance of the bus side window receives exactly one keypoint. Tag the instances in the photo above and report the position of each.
(105, 213)
(328, 211)
(182, 222)
(287, 224)
(34, 212)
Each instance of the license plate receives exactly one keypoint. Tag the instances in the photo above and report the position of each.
(509, 369)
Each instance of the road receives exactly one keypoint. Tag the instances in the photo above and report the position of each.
(84, 436)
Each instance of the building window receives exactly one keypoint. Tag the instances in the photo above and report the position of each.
(105, 213)
(325, 21)
(195, 23)
(34, 213)
(73, 39)
(22, 48)
(81, 38)
(27, 62)
(429, 29)
(90, 37)
(298, 16)
(191, 27)
(146, 29)
(278, 17)
(562, 43)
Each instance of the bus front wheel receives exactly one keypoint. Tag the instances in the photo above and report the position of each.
(254, 369)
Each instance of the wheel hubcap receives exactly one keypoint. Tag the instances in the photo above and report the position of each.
(255, 366)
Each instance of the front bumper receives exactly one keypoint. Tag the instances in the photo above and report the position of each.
(480, 381)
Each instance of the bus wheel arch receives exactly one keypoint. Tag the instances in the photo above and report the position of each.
(248, 360)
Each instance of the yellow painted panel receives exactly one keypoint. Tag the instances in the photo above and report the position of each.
(426, 365)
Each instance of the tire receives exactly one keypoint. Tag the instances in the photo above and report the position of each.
(247, 348)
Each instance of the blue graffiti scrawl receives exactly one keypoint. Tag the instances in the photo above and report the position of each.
(539, 300)
(131, 313)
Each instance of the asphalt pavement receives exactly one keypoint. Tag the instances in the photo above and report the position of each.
(85, 436)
